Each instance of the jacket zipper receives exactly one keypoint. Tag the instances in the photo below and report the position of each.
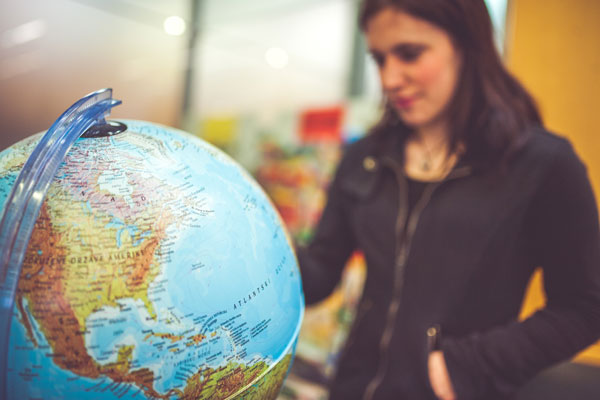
(434, 338)
(403, 243)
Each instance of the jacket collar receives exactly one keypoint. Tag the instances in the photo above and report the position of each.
(388, 150)
(381, 153)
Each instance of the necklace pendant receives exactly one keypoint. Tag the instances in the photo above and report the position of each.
(426, 166)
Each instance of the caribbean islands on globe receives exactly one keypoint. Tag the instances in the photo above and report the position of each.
(154, 267)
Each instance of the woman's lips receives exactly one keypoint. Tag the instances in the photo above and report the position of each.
(404, 102)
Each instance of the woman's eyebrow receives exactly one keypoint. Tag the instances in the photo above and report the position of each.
(408, 46)
(399, 47)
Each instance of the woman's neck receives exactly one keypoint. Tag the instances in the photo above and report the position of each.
(434, 137)
(427, 152)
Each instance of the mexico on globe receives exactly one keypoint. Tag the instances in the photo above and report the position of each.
(139, 262)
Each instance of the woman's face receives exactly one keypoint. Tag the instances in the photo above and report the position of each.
(418, 66)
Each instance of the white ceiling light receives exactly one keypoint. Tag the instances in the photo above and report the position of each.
(174, 25)
(276, 57)
(23, 33)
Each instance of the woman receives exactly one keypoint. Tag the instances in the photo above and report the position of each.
(454, 198)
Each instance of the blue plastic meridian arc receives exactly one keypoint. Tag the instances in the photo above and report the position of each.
(25, 200)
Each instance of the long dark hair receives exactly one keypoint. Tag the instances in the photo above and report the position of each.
(490, 111)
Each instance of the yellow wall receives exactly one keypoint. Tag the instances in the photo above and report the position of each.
(553, 47)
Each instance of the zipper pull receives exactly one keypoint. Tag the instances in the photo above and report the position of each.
(434, 338)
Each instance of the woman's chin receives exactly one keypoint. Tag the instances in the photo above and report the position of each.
(412, 121)
(417, 121)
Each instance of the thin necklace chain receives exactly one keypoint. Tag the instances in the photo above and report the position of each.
(427, 161)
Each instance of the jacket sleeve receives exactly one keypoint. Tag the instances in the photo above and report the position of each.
(322, 261)
(565, 241)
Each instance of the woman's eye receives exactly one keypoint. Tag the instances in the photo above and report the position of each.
(409, 53)
(404, 53)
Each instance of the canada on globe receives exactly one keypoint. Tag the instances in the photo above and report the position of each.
(156, 269)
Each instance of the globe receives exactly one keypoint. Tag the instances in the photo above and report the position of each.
(156, 269)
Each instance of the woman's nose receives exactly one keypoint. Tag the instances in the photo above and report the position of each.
(393, 74)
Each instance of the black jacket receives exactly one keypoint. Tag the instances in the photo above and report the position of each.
(459, 264)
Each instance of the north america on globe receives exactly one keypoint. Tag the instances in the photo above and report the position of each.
(157, 269)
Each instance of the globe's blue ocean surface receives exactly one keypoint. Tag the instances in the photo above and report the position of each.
(157, 269)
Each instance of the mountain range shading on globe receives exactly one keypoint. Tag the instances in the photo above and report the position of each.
(156, 269)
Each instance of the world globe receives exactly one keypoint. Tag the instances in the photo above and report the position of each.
(156, 268)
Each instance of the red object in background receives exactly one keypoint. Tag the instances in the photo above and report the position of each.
(321, 125)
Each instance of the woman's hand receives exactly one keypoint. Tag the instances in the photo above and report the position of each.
(439, 377)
